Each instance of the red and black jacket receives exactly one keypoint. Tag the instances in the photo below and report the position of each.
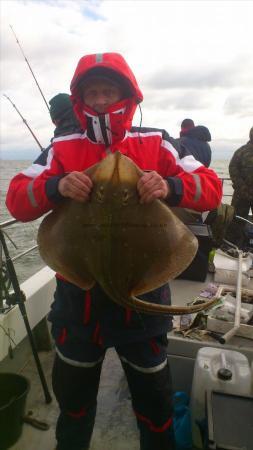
(34, 191)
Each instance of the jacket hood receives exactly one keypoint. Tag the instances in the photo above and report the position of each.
(101, 65)
(199, 132)
(111, 61)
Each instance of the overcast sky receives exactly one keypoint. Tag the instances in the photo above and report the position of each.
(191, 59)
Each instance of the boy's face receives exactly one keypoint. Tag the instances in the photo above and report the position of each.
(100, 94)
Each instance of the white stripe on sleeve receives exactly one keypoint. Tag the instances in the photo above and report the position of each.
(37, 169)
(188, 163)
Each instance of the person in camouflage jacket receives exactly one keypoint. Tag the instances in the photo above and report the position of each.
(241, 174)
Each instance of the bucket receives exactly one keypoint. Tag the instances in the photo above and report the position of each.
(13, 392)
(220, 370)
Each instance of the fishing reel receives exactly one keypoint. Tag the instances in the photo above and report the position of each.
(5, 284)
(7, 299)
(8, 279)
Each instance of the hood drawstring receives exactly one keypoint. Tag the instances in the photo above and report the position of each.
(140, 140)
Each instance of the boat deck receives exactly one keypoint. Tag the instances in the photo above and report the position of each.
(115, 427)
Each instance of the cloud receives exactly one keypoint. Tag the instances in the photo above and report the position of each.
(190, 58)
(172, 99)
(90, 10)
(199, 77)
(239, 104)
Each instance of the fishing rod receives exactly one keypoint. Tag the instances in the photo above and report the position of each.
(25, 122)
(29, 67)
(20, 301)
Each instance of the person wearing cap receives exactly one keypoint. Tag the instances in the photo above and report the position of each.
(64, 119)
(195, 139)
(241, 174)
(105, 95)
(62, 115)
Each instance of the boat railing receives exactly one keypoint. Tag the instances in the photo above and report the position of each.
(5, 284)
(226, 181)
(6, 224)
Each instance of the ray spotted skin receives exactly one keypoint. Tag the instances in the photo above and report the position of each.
(127, 247)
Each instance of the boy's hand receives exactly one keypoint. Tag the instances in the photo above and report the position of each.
(75, 185)
(152, 186)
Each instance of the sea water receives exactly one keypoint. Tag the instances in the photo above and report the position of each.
(23, 235)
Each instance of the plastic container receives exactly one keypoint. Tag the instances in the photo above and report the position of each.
(13, 392)
(219, 370)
